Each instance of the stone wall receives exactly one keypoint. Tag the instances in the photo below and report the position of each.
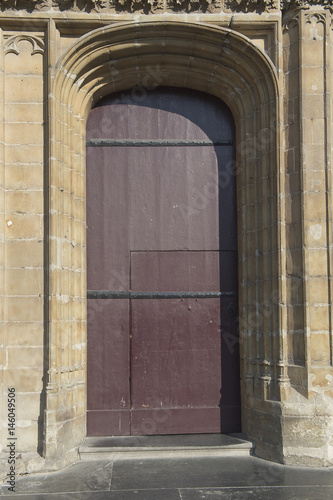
(271, 62)
(23, 266)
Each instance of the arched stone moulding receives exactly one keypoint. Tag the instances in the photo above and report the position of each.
(214, 60)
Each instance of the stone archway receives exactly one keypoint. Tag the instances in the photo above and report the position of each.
(216, 61)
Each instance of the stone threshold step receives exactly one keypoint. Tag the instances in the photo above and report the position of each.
(176, 446)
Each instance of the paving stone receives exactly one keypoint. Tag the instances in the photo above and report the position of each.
(82, 476)
(189, 479)
(273, 493)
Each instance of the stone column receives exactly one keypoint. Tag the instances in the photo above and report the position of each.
(307, 415)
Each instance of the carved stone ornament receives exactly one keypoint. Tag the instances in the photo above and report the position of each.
(292, 4)
(21, 4)
(108, 5)
(145, 5)
(252, 5)
(11, 44)
(159, 5)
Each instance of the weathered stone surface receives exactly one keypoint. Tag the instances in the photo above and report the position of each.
(51, 75)
(105, 6)
(311, 433)
(158, 5)
(292, 4)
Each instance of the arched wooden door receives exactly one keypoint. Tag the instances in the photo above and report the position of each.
(162, 265)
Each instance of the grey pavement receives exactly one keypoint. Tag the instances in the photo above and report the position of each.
(177, 479)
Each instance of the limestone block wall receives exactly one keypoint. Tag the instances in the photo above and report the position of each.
(22, 100)
(271, 62)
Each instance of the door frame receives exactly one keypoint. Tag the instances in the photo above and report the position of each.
(207, 58)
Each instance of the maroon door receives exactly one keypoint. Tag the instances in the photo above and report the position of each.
(162, 266)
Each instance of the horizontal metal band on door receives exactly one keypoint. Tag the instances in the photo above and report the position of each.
(108, 294)
(154, 142)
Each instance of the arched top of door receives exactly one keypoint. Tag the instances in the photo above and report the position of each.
(211, 59)
(141, 114)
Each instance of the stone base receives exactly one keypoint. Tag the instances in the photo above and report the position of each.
(295, 434)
